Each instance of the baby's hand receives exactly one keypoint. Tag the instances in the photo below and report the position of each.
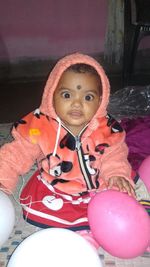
(122, 184)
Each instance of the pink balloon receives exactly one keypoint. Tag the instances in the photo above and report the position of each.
(144, 172)
(119, 224)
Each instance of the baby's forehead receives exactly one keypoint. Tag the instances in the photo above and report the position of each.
(69, 75)
(81, 78)
(84, 73)
(82, 68)
(78, 85)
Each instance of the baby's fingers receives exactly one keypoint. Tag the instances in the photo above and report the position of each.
(128, 188)
(110, 183)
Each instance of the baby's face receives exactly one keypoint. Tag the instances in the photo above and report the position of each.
(76, 99)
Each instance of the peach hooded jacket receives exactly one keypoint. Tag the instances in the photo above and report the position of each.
(71, 164)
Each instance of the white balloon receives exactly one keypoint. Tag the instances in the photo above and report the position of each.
(7, 217)
(55, 247)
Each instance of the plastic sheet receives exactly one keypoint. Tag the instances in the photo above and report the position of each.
(132, 101)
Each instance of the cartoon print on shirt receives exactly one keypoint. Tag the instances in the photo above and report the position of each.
(53, 203)
(88, 159)
(64, 166)
(68, 141)
(37, 113)
(101, 148)
(115, 126)
(19, 122)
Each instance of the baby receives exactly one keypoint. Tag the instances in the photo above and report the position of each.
(79, 148)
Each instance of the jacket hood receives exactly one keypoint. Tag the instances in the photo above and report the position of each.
(53, 79)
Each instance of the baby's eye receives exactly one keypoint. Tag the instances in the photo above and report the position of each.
(66, 95)
(89, 97)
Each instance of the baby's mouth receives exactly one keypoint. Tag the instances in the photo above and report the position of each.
(75, 113)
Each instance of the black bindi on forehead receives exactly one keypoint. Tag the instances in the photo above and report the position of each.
(79, 87)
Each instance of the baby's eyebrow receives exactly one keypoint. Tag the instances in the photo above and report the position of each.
(92, 91)
(64, 88)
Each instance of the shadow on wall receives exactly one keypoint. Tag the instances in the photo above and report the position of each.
(5, 66)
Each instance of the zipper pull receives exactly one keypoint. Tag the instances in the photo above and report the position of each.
(78, 143)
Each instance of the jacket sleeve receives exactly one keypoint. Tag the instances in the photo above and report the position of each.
(16, 158)
(114, 161)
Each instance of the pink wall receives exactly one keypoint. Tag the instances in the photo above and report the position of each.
(51, 28)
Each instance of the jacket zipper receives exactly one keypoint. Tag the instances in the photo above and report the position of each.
(80, 157)
(81, 161)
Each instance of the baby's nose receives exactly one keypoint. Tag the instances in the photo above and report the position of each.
(77, 102)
